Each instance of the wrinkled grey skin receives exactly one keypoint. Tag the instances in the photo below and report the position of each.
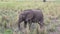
(31, 16)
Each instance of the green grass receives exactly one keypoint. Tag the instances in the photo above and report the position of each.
(9, 12)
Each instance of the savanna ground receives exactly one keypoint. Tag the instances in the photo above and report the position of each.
(9, 12)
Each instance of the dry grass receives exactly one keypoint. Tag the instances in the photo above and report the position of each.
(9, 12)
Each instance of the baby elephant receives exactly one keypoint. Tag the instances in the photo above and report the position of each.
(31, 16)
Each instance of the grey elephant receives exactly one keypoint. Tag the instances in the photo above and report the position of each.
(31, 16)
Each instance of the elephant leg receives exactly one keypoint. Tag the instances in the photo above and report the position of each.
(41, 23)
(19, 22)
(30, 23)
(25, 24)
(19, 25)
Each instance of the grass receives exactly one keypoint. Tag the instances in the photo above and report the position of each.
(9, 12)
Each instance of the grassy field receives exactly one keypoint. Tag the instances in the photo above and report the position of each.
(9, 12)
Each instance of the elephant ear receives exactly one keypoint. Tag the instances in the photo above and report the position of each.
(29, 16)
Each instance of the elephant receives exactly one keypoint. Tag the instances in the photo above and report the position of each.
(31, 16)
